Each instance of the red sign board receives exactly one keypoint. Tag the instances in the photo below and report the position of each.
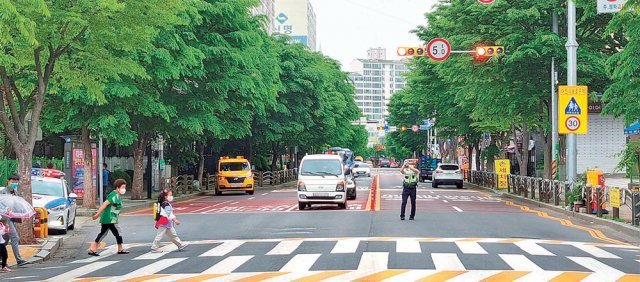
(486, 2)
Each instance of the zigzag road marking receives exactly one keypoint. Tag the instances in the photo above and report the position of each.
(390, 275)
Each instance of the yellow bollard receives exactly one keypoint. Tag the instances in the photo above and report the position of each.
(40, 224)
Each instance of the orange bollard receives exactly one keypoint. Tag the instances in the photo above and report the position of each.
(40, 225)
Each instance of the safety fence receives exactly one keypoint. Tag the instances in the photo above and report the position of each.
(562, 193)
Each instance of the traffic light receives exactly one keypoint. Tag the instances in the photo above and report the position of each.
(404, 128)
(411, 51)
(489, 51)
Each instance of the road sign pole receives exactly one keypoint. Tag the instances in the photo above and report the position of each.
(554, 109)
(572, 80)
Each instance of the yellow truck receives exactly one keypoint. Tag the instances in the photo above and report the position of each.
(234, 175)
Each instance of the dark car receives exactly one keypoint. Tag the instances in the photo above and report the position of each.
(384, 163)
(427, 166)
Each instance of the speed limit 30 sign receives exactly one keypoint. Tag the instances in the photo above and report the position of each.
(438, 49)
(572, 123)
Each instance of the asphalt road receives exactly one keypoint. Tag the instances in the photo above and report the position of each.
(458, 234)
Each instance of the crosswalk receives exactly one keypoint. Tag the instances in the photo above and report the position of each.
(363, 259)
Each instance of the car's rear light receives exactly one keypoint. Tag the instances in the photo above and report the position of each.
(340, 186)
(301, 186)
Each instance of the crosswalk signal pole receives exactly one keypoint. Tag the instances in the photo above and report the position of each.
(572, 80)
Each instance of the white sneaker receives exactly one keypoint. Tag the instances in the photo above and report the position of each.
(156, 251)
(184, 245)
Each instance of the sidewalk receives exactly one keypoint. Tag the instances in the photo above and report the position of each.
(35, 253)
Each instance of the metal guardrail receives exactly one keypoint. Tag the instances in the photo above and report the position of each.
(543, 190)
(530, 187)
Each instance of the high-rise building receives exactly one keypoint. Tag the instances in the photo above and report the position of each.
(376, 80)
(296, 19)
(268, 9)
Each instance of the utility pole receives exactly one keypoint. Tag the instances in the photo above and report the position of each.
(572, 80)
(554, 109)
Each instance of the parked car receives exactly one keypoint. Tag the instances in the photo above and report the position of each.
(54, 195)
(361, 169)
(447, 174)
(384, 163)
(322, 179)
(394, 164)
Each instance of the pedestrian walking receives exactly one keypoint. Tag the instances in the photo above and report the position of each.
(105, 178)
(109, 212)
(165, 222)
(4, 255)
(13, 236)
(409, 185)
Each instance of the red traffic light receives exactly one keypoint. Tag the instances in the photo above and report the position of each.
(411, 51)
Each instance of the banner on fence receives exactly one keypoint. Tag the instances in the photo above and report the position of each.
(614, 197)
(503, 169)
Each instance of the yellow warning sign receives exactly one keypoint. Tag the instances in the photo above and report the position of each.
(503, 169)
(573, 109)
(614, 197)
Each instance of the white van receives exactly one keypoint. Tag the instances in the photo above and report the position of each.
(322, 179)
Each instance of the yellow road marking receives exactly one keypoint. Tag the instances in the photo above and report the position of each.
(202, 277)
(146, 278)
(630, 278)
(441, 276)
(506, 276)
(261, 276)
(570, 277)
(513, 240)
(321, 276)
(381, 275)
(378, 188)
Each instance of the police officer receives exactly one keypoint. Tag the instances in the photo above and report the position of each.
(409, 186)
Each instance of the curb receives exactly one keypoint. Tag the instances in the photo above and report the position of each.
(617, 226)
(47, 250)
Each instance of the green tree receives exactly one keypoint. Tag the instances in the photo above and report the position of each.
(50, 46)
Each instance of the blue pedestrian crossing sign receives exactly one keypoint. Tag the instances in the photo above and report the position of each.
(573, 108)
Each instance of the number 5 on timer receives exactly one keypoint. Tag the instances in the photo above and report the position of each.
(438, 49)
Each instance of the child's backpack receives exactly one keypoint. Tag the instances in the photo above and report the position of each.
(156, 211)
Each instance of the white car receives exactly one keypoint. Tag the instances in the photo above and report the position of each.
(361, 169)
(322, 179)
(53, 195)
(447, 174)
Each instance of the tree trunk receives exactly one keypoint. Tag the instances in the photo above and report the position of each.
(25, 229)
(522, 156)
(139, 146)
(274, 152)
(201, 164)
(89, 198)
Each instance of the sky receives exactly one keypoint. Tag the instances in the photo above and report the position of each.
(346, 29)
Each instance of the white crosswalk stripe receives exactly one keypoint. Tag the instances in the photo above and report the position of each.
(443, 261)
(291, 262)
(300, 263)
(602, 272)
(373, 261)
(470, 248)
(520, 263)
(408, 246)
(595, 251)
(346, 246)
(285, 247)
(533, 249)
(151, 255)
(223, 249)
(150, 269)
(80, 271)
